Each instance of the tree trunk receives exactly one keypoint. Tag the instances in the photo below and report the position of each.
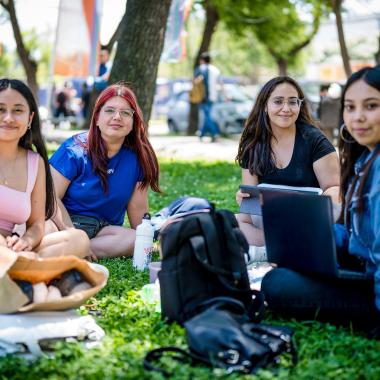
(30, 66)
(139, 49)
(282, 63)
(282, 66)
(336, 6)
(212, 18)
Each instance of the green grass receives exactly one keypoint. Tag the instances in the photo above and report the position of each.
(132, 328)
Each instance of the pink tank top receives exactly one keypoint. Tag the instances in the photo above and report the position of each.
(15, 206)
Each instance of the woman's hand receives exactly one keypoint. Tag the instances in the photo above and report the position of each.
(240, 196)
(18, 244)
(91, 257)
(28, 255)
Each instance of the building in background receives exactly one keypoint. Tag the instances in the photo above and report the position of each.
(362, 39)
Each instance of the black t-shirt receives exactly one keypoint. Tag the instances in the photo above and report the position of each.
(310, 145)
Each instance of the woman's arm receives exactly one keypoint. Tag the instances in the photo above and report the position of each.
(137, 206)
(61, 217)
(35, 224)
(253, 234)
(327, 171)
(374, 207)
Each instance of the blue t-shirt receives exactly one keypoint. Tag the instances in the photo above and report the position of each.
(85, 195)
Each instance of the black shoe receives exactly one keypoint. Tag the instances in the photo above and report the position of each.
(68, 281)
(27, 289)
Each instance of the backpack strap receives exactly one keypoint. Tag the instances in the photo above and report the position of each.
(156, 354)
(228, 278)
(234, 238)
(210, 237)
(198, 244)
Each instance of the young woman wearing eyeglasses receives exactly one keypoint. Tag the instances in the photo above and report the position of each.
(103, 174)
(280, 145)
(338, 300)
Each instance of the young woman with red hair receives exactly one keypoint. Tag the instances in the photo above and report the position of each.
(102, 174)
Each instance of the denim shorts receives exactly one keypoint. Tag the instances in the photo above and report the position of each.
(89, 224)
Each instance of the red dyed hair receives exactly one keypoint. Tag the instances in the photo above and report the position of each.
(136, 140)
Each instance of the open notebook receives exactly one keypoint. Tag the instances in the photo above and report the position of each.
(252, 205)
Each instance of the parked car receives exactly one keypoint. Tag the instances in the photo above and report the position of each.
(229, 111)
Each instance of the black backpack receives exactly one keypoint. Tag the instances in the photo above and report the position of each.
(203, 258)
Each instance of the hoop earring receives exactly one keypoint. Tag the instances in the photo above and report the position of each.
(341, 129)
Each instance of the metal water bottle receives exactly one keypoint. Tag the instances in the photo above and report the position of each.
(143, 243)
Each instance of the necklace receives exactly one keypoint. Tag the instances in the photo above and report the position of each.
(5, 177)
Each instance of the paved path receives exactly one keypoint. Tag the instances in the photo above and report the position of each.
(165, 145)
(189, 147)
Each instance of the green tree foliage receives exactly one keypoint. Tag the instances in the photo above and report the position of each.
(40, 51)
(280, 25)
(227, 49)
(5, 61)
(241, 57)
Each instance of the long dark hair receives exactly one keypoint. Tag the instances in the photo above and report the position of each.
(136, 140)
(32, 139)
(257, 134)
(350, 150)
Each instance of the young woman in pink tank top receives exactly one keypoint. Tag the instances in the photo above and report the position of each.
(26, 189)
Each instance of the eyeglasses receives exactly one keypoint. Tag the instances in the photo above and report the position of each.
(125, 114)
(293, 103)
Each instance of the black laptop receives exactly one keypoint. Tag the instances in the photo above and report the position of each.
(299, 233)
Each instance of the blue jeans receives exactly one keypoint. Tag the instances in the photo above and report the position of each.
(209, 124)
(315, 297)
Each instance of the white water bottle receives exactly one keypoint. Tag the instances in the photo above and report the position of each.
(143, 243)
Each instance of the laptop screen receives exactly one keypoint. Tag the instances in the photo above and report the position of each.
(299, 232)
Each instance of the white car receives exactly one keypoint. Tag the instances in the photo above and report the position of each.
(229, 112)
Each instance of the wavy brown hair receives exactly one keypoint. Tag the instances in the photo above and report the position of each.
(350, 150)
(257, 133)
(136, 140)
